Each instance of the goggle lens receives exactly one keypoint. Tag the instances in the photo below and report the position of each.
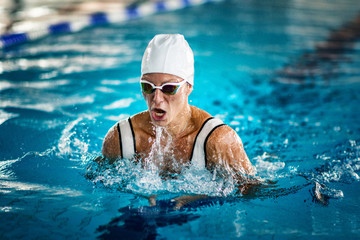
(167, 88)
(170, 89)
(147, 88)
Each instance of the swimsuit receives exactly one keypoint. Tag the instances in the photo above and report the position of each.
(198, 154)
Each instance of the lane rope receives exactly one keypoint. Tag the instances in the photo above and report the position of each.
(122, 15)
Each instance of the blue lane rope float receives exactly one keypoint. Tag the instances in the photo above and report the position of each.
(122, 15)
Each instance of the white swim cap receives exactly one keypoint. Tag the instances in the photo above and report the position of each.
(169, 53)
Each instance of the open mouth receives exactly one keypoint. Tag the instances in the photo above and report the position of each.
(158, 114)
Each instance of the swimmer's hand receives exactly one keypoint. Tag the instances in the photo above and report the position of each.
(180, 201)
(254, 187)
(152, 200)
(185, 199)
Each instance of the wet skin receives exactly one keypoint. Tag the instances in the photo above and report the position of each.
(180, 123)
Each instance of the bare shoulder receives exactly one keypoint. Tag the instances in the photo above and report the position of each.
(224, 136)
(199, 116)
(111, 145)
(141, 123)
(224, 146)
(140, 118)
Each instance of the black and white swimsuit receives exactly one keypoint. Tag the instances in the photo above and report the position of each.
(198, 154)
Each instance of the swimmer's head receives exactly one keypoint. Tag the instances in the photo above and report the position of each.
(171, 54)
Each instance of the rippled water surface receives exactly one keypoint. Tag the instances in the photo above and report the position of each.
(284, 74)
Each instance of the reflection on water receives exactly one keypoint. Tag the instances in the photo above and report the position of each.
(324, 62)
(143, 222)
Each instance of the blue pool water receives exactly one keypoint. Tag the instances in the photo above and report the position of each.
(259, 67)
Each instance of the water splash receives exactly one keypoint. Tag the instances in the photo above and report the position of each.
(64, 142)
(159, 173)
(341, 165)
(268, 166)
(130, 176)
(322, 193)
(74, 142)
(161, 145)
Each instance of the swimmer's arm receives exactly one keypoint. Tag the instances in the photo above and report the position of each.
(111, 145)
(225, 151)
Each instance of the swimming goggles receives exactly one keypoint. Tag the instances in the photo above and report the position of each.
(166, 88)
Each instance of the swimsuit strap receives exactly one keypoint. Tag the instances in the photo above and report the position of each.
(126, 138)
(198, 155)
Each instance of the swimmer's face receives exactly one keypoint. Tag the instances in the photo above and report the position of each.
(164, 108)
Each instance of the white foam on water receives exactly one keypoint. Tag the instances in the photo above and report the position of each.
(148, 178)
(268, 166)
(64, 142)
(129, 176)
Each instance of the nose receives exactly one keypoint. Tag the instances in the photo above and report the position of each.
(158, 96)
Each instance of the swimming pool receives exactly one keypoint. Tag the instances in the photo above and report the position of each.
(266, 68)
